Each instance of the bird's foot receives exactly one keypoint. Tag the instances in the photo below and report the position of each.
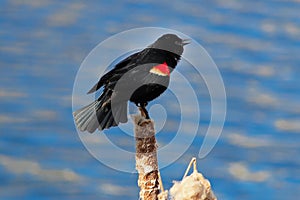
(143, 110)
(143, 122)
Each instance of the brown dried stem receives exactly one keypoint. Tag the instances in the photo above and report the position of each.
(146, 158)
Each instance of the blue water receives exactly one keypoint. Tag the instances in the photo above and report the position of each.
(255, 44)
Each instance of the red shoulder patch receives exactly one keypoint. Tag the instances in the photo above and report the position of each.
(161, 70)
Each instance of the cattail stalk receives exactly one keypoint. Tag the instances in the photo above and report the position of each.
(146, 158)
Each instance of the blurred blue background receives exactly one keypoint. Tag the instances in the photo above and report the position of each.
(255, 44)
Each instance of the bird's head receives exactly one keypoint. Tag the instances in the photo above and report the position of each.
(170, 42)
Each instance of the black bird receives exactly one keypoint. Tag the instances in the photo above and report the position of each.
(140, 78)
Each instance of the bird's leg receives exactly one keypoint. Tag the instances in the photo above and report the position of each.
(144, 111)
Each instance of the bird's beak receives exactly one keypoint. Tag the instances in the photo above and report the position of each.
(185, 41)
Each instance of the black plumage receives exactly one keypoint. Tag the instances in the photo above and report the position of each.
(140, 78)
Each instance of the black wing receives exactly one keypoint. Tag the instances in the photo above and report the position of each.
(117, 71)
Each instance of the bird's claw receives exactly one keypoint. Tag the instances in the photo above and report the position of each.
(144, 112)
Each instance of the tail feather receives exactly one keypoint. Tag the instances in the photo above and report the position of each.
(82, 115)
(100, 115)
(86, 116)
(108, 120)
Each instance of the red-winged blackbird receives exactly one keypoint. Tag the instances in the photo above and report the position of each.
(139, 78)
